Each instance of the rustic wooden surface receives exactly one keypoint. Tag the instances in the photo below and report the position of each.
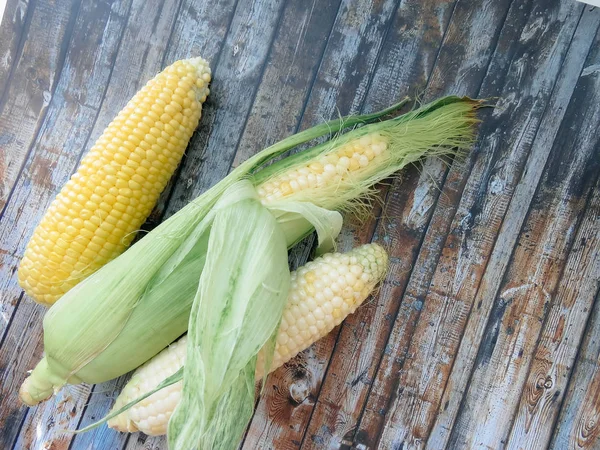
(485, 334)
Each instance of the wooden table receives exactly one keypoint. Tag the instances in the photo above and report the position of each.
(485, 334)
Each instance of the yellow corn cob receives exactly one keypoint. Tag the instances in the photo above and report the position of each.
(322, 294)
(96, 214)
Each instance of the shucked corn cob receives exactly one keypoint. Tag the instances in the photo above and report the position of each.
(107, 325)
(96, 214)
(322, 294)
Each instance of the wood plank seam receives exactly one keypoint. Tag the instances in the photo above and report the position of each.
(435, 203)
(296, 130)
(434, 207)
(18, 52)
(548, 121)
(568, 251)
(554, 151)
(303, 252)
(504, 218)
(215, 64)
(41, 118)
(588, 201)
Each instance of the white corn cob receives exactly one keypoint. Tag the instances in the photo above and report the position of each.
(322, 294)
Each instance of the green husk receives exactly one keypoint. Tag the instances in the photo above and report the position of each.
(238, 307)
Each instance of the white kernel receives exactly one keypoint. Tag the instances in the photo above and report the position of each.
(293, 331)
(344, 162)
(363, 161)
(328, 293)
(356, 269)
(328, 308)
(310, 319)
(313, 330)
(296, 312)
(335, 287)
(319, 314)
(337, 301)
(365, 140)
(301, 324)
(304, 309)
(302, 182)
(329, 168)
(319, 298)
(296, 186)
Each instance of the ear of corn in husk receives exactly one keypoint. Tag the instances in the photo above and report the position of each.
(96, 214)
(107, 325)
(322, 294)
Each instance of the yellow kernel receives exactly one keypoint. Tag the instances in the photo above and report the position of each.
(316, 168)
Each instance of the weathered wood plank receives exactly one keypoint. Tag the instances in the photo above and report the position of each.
(512, 223)
(14, 27)
(577, 425)
(499, 161)
(561, 336)
(145, 22)
(341, 82)
(458, 271)
(530, 283)
(290, 71)
(31, 83)
(200, 30)
(458, 54)
(98, 404)
(235, 79)
(404, 65)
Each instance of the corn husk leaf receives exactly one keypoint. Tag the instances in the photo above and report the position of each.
(297, 217)
(242, 292)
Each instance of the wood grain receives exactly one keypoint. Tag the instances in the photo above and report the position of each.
(577, 425)
(528, 288)
(512, 223)
(126, 34)
(416, 33)
(31, 82)
(562, 332)
(433, 360)
(282, 415)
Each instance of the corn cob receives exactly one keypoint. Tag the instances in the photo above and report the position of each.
(322, 294)
(96, 214)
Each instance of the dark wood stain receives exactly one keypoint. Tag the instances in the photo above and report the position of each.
(484, 333)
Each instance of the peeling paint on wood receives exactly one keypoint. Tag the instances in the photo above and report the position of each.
(478, 336)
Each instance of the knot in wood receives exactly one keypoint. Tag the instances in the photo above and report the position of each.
(299, 390)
